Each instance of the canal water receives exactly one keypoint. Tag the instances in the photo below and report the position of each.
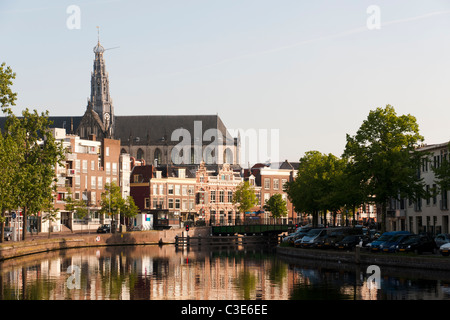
(167, 273)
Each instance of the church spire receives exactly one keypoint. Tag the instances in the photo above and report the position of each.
(100, 99)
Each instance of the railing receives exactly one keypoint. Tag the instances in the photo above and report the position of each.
(225, 241)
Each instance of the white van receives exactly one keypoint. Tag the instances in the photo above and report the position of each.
(312, 237)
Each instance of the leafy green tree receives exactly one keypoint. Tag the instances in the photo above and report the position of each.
(383, 154)
(113, 204)
(36, 153)
(276, 205)
(245, 197)
(40, 153)
(10, 157)
(130, 209)
(79, 207)
(7, 96)
(314, 189)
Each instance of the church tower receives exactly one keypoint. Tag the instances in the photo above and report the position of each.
(100, 100)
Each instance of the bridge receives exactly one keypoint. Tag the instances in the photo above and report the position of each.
(252, 229)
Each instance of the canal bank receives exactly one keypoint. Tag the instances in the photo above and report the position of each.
(43, 243)
(362, 257)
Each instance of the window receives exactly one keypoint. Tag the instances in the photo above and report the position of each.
(161, 189)
(266, 197)
(155, 189)
(92, 165)
(267, 183)
(177, 189)
(107, 151)
(177, 203)
(434, 194)
(85, 166)
(100, 182)
(170, 189)
(283, 182)
(184, 190)
(108, 167)
(93, 180)
(184, 205)
(230, 196)
(77, 181)
(221, 196)
(157, 156)
(213, 196)
(170, 203)
(147, 203)
(77, 196)
(114, 168)
(276, 183)
(77, 165)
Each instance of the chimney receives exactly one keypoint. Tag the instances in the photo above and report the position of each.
(92, 137)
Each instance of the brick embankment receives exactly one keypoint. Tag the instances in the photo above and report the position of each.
(433, 262)
(43, 243)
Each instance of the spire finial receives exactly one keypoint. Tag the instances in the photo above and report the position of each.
(98, 34)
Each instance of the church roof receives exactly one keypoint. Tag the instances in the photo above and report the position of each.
(158, 129)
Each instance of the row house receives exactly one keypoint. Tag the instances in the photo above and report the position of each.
(88, 166)
(429, 214)
(171, 195)
(269, 179)
(164, 195)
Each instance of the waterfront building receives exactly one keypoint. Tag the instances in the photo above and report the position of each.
(429, 214)
(88, 166)
(176, 195)
(269, 179)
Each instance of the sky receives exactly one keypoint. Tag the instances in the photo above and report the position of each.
(309, 70)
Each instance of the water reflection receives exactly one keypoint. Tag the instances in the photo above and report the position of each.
(164, 273)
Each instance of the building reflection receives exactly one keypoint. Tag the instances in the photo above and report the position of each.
(163, 273)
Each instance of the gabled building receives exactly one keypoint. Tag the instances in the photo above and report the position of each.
(269, 179)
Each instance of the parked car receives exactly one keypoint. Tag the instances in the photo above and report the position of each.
(350, 242)
(106, 228)
(374, 246)
(442, 238)
(311, 238)
(417, 243)
(291, 238)
(7, 233)
(391, 244)
(445, 249)
(333, 236)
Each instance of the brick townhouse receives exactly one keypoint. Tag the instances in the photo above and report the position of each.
(88, 166)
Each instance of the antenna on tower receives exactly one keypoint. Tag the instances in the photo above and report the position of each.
(98, 36)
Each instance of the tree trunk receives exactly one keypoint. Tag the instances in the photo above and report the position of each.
(383, 217)
(24, 223)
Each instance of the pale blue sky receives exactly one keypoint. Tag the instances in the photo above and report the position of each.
(311, 69)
